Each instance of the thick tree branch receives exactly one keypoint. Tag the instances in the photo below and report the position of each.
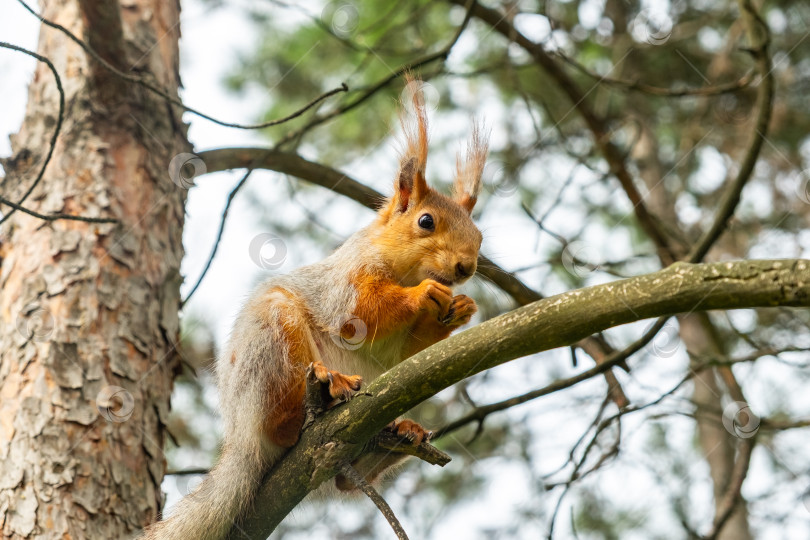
(223, 159)
(617, 358)
(340, 435)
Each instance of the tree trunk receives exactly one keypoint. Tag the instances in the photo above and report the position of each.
(90, 311)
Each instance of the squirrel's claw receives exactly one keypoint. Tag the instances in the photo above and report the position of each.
(461, 310)
(325, 389)
(340, 386)
(410, 430)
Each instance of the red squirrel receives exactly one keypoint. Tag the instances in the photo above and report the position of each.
(394, 277)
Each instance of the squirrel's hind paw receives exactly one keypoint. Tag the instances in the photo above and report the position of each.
(408, 429)
(340, 386)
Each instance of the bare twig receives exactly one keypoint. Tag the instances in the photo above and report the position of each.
(51, 217)
(358, 480)
(754, 356)
(214, 249)
(57, 128)
(390, 442)
(164, 94)
(186, 472)
(576, 475)
(705, 91)
(597, 125)
(478, 414)
(410, 66)
(759, 36)
(783, 425)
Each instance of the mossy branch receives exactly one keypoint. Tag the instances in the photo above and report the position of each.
(341, 434)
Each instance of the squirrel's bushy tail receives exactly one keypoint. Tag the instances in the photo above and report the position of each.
(209, 512)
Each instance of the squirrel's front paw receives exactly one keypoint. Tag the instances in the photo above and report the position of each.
(408, 429)
(340, 386)
(461, 310)
(435, 298)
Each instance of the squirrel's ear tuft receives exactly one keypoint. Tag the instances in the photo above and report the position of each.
(410, 185)
(467, 184)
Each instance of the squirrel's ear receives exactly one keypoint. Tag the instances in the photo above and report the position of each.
(467, 184)
(404, 185)
(410, 185)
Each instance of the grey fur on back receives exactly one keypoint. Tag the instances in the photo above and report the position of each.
(260, 356)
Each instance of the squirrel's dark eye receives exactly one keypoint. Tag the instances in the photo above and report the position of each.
(426, 222)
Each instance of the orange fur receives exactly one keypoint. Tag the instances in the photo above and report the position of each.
(340, 386)
(424, 333)
(282, 426)
(285, 402)
(385, 306)
(429, 328)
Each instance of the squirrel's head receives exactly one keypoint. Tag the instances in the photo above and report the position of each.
(424, 234)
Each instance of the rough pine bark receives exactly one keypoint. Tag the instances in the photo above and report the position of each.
(90, 311)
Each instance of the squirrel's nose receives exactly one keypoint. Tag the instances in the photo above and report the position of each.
(464, 270)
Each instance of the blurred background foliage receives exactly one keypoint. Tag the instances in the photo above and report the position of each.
(553, 214)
